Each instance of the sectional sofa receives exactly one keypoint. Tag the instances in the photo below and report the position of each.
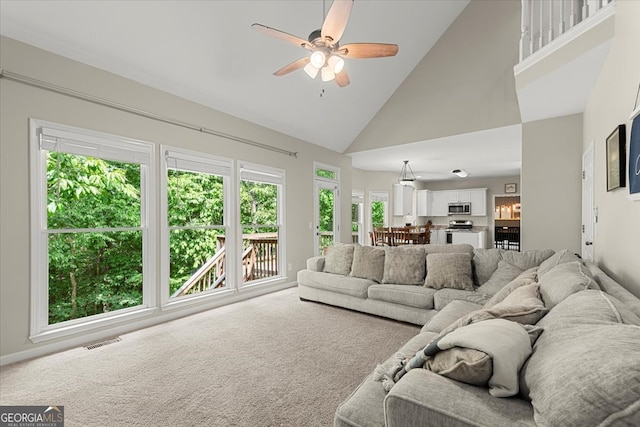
(509, 338)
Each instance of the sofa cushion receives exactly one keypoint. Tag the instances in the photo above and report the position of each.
(485, 262)
(449, 270)
(444, 297)
(558, 258)
(564, 280)
(411, 295)
(523, 305)
(527, 259)
(347, 285)
(503, 275)
(404, 265)
(449, 314)
(368, 263)
(525, 278)
(584, 368)
(339, 258)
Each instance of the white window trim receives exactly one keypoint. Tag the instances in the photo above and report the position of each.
(270, 175)
(378, 196)
(82, 141)
(194, 161)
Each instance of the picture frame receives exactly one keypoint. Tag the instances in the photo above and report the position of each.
(616, 158)
(511, 187)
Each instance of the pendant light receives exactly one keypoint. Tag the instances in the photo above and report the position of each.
(406, 174)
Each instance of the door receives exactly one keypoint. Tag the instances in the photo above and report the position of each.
(589, 218)
(326, 221)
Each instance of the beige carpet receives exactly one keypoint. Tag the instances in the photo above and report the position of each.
(268, 361)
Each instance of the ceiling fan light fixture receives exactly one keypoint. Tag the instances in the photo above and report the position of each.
(327, 74)
(318, 58)
(460, 172)
(311, 70)
(336, 63)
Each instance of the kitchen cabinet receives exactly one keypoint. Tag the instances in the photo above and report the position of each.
(477, 239)
(441, 199)
(402, 200)
(478, 199)
(424, 203)
(438, 236)
(440, 203)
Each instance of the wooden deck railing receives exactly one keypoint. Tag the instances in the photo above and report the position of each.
(210, 276)
(259, 261)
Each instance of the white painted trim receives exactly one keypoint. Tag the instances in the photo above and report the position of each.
(143, 323)
(39, 327)
(566, 38)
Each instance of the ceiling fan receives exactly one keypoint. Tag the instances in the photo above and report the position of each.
(327, 55)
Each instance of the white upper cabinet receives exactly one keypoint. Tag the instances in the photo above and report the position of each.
(424, 203)
(402, 200)
(478, 199)
(439, 201)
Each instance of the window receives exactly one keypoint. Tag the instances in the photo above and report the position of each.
(357, 216)
(261, 201)
(91, 196)
(195, 223)
(378, 203)
(327, 206)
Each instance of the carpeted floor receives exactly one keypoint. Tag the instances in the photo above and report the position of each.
(269, 361)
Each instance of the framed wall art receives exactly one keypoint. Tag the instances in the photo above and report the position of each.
(616, 158)
(634, 158)
(510, 188)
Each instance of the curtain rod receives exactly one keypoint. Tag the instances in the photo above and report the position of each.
(105, 102)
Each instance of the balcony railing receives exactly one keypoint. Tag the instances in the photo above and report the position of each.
(545, 20)
(259, 261)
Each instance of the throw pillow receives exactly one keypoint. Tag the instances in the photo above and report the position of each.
(558, 258)
(523, 305)
(564, 280)
(368, 263)
(485, 262)
(585, 370)
(339, 259)
(525, 278)
(503, 275)
(466, 365)
(449, 271)
(404, 265)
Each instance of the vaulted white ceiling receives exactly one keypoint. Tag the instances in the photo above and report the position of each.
(207, 52)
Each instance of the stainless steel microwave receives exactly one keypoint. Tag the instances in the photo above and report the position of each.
(459, 208)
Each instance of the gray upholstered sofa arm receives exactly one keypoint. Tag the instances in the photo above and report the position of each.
(423, 398)
(315, 263)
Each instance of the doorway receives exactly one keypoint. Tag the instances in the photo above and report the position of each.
(506, 220)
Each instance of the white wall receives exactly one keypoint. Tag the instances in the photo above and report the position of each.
(552, 184)
(616, 244)
(19, 102)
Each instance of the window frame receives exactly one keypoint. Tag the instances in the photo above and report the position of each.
(106, 146)
(270, 175)
(195, 161)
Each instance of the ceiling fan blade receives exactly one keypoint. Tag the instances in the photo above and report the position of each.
(292, 67)
(281, 35)
(342, 78)
(368, 50)
(336, 19)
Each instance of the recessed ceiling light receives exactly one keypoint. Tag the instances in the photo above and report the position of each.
(460, 172)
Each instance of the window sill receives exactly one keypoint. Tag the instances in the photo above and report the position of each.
(53, 332)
